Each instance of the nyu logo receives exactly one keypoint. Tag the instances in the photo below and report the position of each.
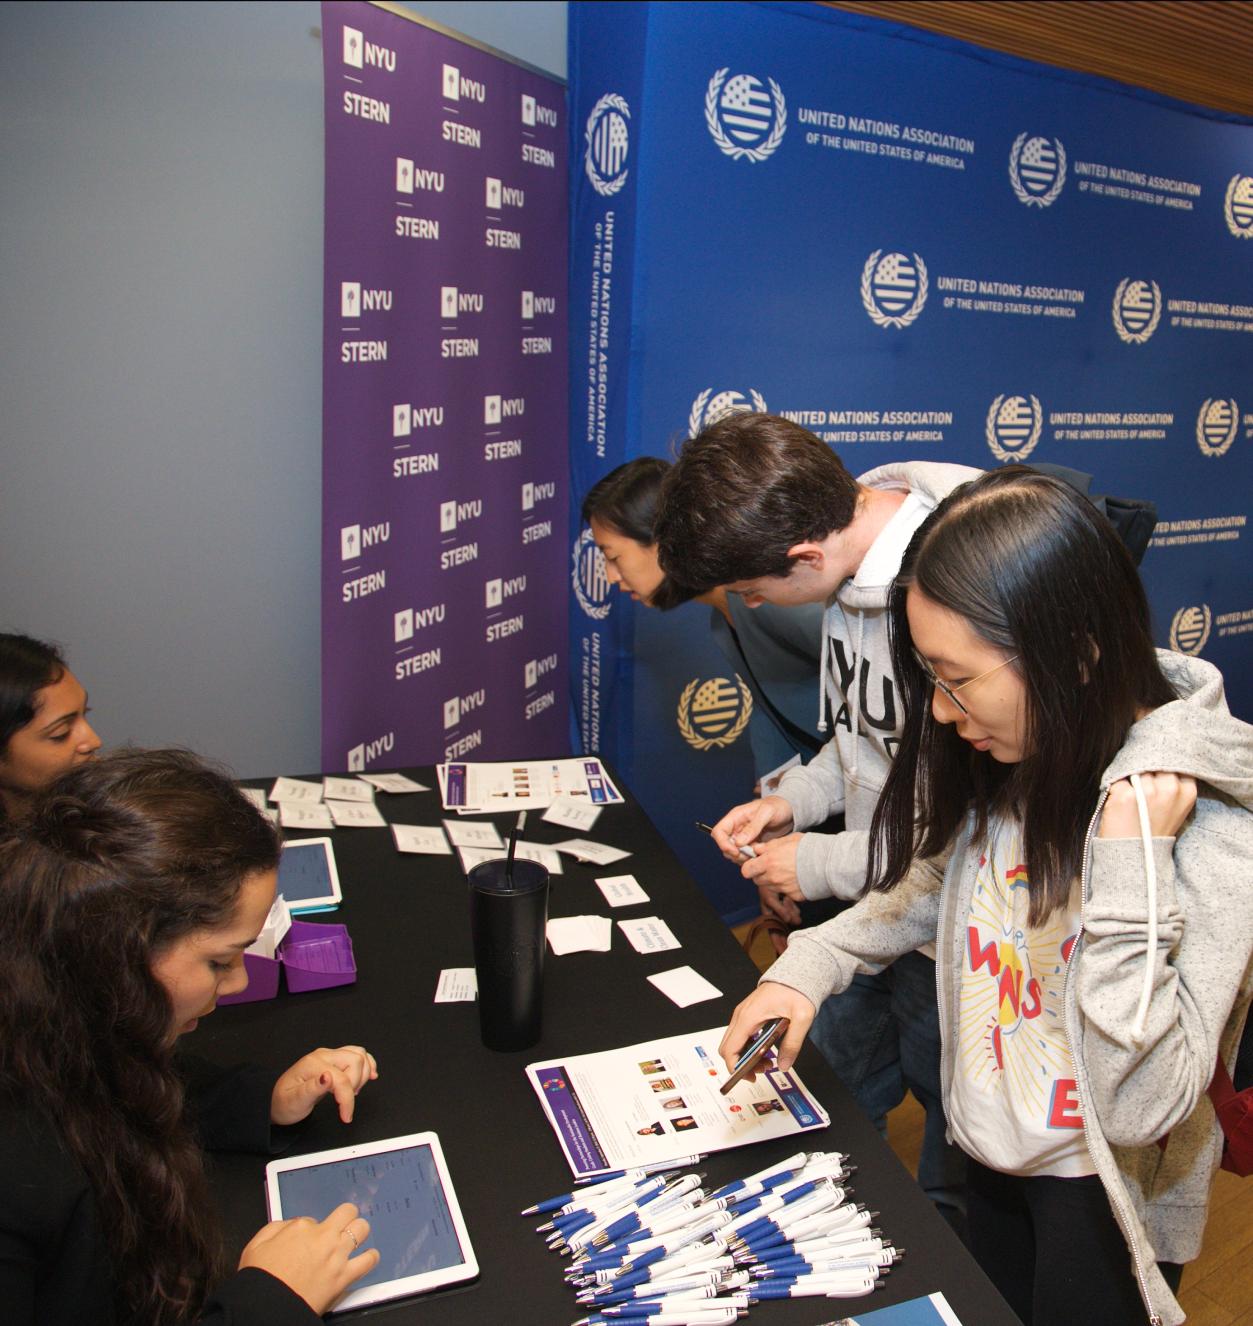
(502, 195)
(1013, 427)
(409, 177)
(410, 620)
(533, 113)
(714, 712)
(1216, 426)
(893, 288)
(607, 140)
(460, 705)
(537, 492)
(451, 513)
(1137, 310)
(1189, 629)
(456, 87)
(405, 418)
(1238, 206)
(353, 539)
(353, 301)
(591, 584)
(745, 120)
(708, 409)
(1037, 170)
(496, 408)
(496, 591)
(453, 301)
(369, 751)
(358, 52)
(537, 668)
(534, 306)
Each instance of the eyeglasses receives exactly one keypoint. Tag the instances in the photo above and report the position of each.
(950, 692)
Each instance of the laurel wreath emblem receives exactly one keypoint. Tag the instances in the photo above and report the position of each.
(1229, 211)
(877, 316)
(1185, 620)
(1218, 448)
(696, 420)
(596, 611)
(689, 733)
(1044, 199)
(734, 150)
(1136, 338)
(606, 188)
(994, 445)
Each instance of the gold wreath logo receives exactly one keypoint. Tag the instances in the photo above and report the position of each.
(714, 712)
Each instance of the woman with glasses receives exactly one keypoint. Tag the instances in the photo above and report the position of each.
(1068, 817)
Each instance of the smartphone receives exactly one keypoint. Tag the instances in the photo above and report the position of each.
(767, 1037)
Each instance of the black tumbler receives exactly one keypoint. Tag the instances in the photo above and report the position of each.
(508, 925)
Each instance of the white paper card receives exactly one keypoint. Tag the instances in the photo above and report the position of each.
(394, 783)
(472, 856)
(586, 850)
(271, 814)
(420, 838)
(770, 781)
(457, 985)
(621, 890)
(305, 815)
(255, 795)
(356, 815)
(346, 789)
(580, 934)
(474, 833)
(649, 934)
(276, 926)
(571, 814)
(295, 789)
(684, 986)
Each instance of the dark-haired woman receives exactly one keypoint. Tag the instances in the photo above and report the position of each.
(1081, 854)
(43, 721)
(130, 891)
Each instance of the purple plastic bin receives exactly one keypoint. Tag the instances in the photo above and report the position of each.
(317, 957)
(262, 980)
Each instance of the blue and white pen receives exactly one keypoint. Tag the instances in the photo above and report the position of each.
(791, 1164)
(713, 1316)
(581, 1196)
(812, 1287)
(672, 1303)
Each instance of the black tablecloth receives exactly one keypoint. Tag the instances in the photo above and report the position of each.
(408, 918)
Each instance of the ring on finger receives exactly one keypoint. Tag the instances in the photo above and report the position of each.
(356, 1242)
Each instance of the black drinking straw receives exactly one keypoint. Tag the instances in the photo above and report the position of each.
(519, 825)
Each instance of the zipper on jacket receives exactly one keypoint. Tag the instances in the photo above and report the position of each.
(1117, 1200)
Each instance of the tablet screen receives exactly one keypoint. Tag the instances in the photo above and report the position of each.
(399, 1192)
(306, 875)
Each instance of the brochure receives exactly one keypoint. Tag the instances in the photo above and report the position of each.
(659, 1100)
(930, 1311)
(480, 788)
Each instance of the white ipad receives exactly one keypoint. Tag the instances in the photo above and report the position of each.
(402, 1187)
(307, 878)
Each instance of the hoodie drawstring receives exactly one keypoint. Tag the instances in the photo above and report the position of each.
(824, 664)
(1150, 871)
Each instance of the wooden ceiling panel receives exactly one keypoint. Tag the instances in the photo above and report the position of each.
(1197, 50)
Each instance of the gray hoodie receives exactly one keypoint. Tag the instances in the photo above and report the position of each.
(1144, 1023)
(849, 772)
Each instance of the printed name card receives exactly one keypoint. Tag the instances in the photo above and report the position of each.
(684, 985)
(470, 833)
(571, 814)
(621, 890)
(356, 815)
(394, 783)
(580, 934)
(420, 838)
(457, 985)
(346, 789)
(295, 789)
(305, 815)
(649, 934)
(586, 850)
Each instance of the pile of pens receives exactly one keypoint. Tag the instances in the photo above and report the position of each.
(650, 1246)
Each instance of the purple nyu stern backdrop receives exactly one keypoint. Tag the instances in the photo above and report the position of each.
(444, 398)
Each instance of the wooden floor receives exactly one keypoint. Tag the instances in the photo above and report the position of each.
(1217, 1287)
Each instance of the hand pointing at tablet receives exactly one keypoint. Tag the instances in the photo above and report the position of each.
(318, 1261)
(340, 1073)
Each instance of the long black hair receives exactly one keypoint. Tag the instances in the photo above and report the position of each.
(26, 667)
(120, 858)
(1036, 572)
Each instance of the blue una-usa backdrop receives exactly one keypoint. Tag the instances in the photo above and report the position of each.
(919, 250)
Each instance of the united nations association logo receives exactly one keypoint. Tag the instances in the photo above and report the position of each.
(1137, 310)
(1238, 206)
(608, 140)
(745, 120)
(1013, 427)
(591, 584)
(714, 712)
(1037, 170)
(893, 288)
(1189, 629)
(1217, 426)
(708, 409)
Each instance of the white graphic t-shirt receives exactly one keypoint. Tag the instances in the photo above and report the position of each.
(1014, 1103)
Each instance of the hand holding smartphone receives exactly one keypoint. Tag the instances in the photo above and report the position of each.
(769, 1034)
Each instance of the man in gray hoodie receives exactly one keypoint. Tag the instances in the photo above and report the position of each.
(760, 505)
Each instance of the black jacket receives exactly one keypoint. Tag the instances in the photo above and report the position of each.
(54, 1260)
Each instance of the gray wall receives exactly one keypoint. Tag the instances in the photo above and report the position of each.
(160, 383)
